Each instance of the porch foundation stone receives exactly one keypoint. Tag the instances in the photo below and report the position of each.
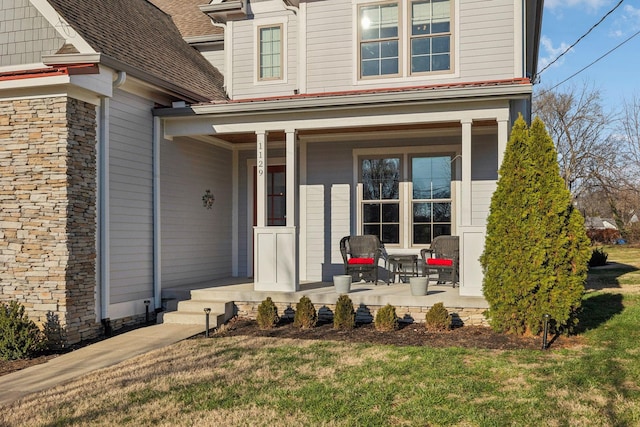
(462, 316)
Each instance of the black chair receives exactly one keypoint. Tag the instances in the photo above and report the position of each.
(361, 255)
(442, 258)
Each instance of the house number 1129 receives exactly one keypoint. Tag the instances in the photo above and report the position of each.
(260, 159)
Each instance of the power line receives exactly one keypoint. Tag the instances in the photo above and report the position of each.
(581, 37)
(592, 63)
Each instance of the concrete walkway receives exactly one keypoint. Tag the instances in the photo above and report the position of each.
(90, 358)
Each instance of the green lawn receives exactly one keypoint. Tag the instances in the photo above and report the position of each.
(264, 381)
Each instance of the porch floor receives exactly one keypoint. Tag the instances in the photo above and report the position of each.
(368, 294)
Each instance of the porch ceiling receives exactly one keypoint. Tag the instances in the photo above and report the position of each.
(279, 136)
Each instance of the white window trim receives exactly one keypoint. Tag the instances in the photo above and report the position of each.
(405, 69)
(405, 154)
(266, 22)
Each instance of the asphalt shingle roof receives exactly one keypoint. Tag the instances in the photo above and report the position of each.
(188, 18)
(142, 36)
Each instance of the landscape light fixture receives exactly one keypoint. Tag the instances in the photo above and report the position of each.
(146, 311)
(545, 345)
(207, 312)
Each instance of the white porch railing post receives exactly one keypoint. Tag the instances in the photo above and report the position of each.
(291, 188)
(466, 196)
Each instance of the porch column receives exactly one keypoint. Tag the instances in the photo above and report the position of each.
(291, 188)
(261, 179)
(503, 137)
(274, 247)
(466, 199)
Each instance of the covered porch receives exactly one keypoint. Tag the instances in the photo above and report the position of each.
(321, 146)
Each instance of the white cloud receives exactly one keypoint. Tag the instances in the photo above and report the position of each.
(549, 52)
(627, 23)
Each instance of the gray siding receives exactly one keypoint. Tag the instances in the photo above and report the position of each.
(330, 61)
(196, 241)
(486, 40)
(131, 198)
(24, 34)
(215, 55)
(486, 50)
(245, 61)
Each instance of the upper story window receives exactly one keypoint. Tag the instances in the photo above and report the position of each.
(379, 41)
(270, 52)
(397, 40)
(430, 35)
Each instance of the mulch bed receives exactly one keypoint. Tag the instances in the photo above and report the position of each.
(408, 335)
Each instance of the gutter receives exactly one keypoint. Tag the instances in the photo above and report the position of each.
(363, 99)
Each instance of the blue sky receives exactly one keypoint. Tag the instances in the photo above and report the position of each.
(617, 75)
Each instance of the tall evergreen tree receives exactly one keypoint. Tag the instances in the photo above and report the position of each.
(536, 249)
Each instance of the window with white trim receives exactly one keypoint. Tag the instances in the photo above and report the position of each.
(431, 198)
(270, 52)
(380, 38)
(428, 198)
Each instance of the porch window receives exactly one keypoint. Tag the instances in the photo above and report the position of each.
(270, 52)
(411, 213)
(430, 35)
(381, 198)
(431, 198)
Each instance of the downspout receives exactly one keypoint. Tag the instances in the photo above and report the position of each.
(157, 272)
(103, 203)
(226, 43)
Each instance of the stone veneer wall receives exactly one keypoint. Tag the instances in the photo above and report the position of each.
(48, 211)
(461, 315)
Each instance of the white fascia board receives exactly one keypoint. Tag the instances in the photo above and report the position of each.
(101, 84)
(36, 82)
(518, 91)
(337, 118)
(71, 59)
(63, 28)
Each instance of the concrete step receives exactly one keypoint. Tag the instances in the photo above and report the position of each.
(198, 306)
(194, 318)
(191, 312)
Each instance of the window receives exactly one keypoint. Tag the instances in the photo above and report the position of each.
(381, 198)
(380, 38)
(270, 52)
(431, 201)
(428, 212)
(430, 36)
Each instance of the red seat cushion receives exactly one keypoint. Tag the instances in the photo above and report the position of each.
(360, 261)
(440, 261)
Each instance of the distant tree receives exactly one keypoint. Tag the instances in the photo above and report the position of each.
(536, 248)
(580, 127)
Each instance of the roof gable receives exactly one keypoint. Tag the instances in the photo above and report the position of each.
(137, 33)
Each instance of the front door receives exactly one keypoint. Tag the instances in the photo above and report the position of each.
(276, 196)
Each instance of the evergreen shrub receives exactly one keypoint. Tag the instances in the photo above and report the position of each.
(598, 257)
(437, 318)
(344, 316)
(267, 314)
(20, 338)
(536, 248)
(386, 319)
(306, 316)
